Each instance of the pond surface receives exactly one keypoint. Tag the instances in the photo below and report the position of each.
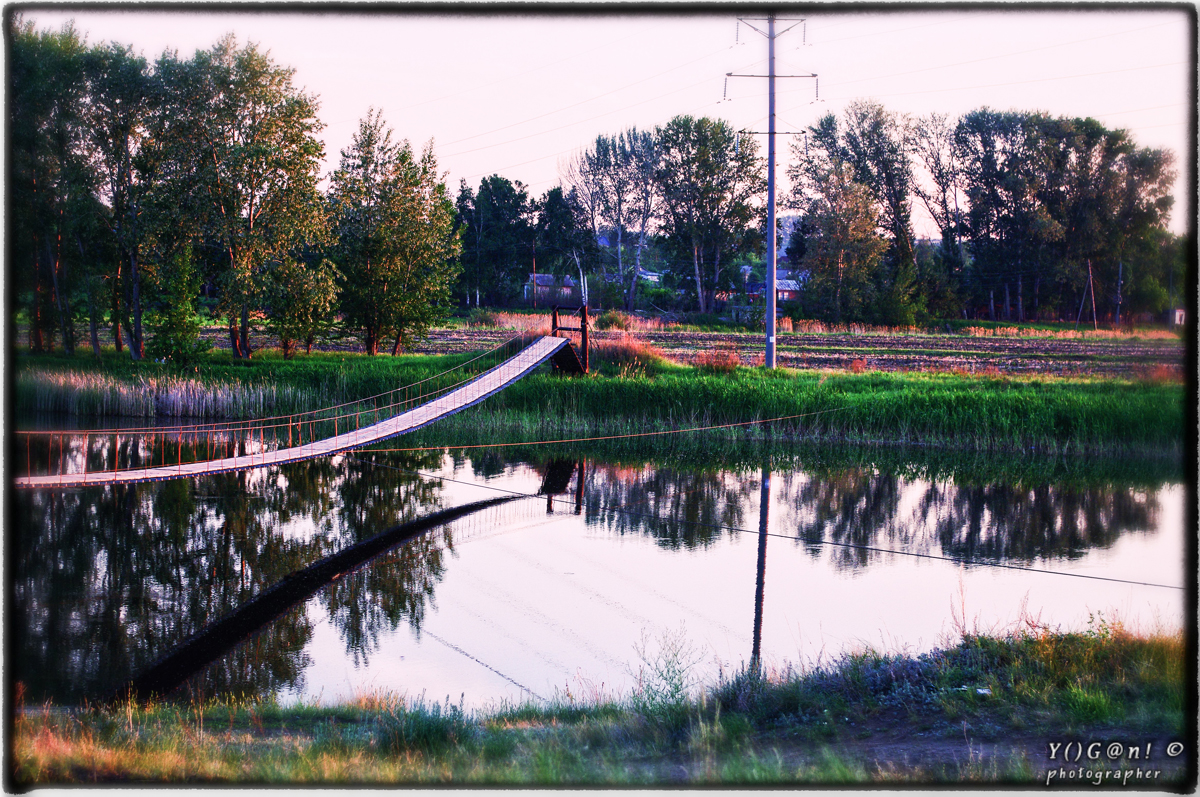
(569, 593)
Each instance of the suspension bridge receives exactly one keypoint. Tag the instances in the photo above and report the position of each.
(205, 449)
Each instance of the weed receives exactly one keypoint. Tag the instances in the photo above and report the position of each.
(429, 729)
(664, 680)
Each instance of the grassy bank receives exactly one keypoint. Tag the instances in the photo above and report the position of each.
(981, 711)
(635, 391)
(939, 410)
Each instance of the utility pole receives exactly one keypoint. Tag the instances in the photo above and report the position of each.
(772, 254)
(769, 358)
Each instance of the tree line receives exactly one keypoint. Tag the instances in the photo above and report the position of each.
(138, 187)
(1037, 216)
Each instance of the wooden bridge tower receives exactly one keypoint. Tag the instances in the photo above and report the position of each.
(569, 359)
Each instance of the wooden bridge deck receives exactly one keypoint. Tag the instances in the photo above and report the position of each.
(472, 393)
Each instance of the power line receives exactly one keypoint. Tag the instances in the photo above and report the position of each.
(582, 102)
(1010, 55)
(738, 530)
(1019, 82)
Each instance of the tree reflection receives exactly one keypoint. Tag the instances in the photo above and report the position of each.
(678, 509)
(107, 580)
(843, 510)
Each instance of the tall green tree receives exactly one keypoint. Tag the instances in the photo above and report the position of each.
(123, 95)
(244, 155)
(877, 145)
(711, 186)
(843, 248)
(50, 177)
(395, 242)
(497, 226)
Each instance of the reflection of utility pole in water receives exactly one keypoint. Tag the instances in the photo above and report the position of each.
(764, 507)
(582, 471)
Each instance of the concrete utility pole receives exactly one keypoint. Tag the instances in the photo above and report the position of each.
(772, 253)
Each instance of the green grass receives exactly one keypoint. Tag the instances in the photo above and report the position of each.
(1052, 415)
(813, 726)
(633, 390)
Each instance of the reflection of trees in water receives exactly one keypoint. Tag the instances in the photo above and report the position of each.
(107, 580)
(999, 522)
(852, 507)
(994, 522)
(396, 585)
(678, 509)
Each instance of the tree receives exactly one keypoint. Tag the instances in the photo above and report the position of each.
(614, 180)
(396, 245)
(709, 185)
(563, 236)
(122, 96)
(302, 297)
(876, 144)
(1058, 199)
(497, 239)
(246, 156)
(50, 178)
(843, 249)
(933, 144)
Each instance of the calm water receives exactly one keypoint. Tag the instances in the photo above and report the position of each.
(559, 595)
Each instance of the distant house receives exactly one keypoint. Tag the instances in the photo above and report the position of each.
(653, 277)
(547, 287)
(786, 290)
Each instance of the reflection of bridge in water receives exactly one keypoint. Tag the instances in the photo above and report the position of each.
(208, 447)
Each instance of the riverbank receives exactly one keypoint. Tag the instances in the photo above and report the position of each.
(635, 391)
(987, 710)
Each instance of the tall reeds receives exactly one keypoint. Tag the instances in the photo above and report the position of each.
(91, 394)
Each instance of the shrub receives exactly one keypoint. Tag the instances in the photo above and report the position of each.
(664, 681)
(613, 319)
(479, 317)
(174, 327)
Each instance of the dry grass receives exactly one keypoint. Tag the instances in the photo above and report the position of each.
(629, 353)
(538, 323)
(1069, 334)
(147, 396)
(1161, 374)
(823, 328)
(721, 360)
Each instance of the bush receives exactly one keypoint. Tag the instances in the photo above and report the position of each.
(613, 319)
(664, 681)
(479, 317)
(174, 327)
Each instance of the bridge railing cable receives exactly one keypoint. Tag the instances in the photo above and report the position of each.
(62, 451)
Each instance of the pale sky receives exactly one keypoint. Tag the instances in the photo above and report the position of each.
(517, 95)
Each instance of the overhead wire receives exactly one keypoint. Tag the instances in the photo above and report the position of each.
(577, 104)
(1008, 55)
